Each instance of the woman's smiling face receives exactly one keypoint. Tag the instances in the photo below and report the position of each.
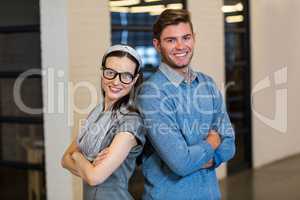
(114, 89)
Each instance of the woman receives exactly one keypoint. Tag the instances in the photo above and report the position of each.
(105, 151)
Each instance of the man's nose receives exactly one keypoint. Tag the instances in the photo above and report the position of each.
(179, 44)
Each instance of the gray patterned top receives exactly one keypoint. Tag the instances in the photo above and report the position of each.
(97, 134)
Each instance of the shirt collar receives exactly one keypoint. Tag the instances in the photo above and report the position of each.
(174, 77)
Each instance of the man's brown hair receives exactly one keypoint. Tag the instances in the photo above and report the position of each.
(170, 17)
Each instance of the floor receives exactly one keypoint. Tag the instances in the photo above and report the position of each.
(277, 181)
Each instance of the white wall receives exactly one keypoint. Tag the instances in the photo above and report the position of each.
(89, 37)
(207, 19)
(275, 45)
(74, 36)
(54, 40)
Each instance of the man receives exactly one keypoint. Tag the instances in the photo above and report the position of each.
(188, 130)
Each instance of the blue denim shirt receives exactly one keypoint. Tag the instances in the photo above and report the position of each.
(178, 115)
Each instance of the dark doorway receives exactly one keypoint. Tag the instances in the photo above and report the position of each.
(238, 79)
(21, 133)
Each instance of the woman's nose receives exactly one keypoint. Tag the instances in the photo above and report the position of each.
(116, 80)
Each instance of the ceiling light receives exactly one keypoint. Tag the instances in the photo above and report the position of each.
(234, 19)
(123, 3)
(148, 1)
(233, 8)
(119, 9)
(175, 6)
(144, 9)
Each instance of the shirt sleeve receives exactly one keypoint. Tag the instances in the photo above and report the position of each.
(165, 135)
(133, 123)
(221, 124)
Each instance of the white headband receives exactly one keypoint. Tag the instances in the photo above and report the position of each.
(124, 48)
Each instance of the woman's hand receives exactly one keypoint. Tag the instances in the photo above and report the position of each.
(67, 160)
(101, 156)
(75, 155)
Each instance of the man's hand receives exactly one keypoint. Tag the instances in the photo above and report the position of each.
(209, 164)
(213, 139)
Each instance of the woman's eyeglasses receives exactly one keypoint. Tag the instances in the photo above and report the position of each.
(110, 74)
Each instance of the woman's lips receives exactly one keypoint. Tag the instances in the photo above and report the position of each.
(114, 89)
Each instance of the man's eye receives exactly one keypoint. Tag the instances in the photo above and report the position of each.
(187, 37)
(170, 40)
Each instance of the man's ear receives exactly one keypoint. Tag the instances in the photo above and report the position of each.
(156, 44)
(194, 37)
